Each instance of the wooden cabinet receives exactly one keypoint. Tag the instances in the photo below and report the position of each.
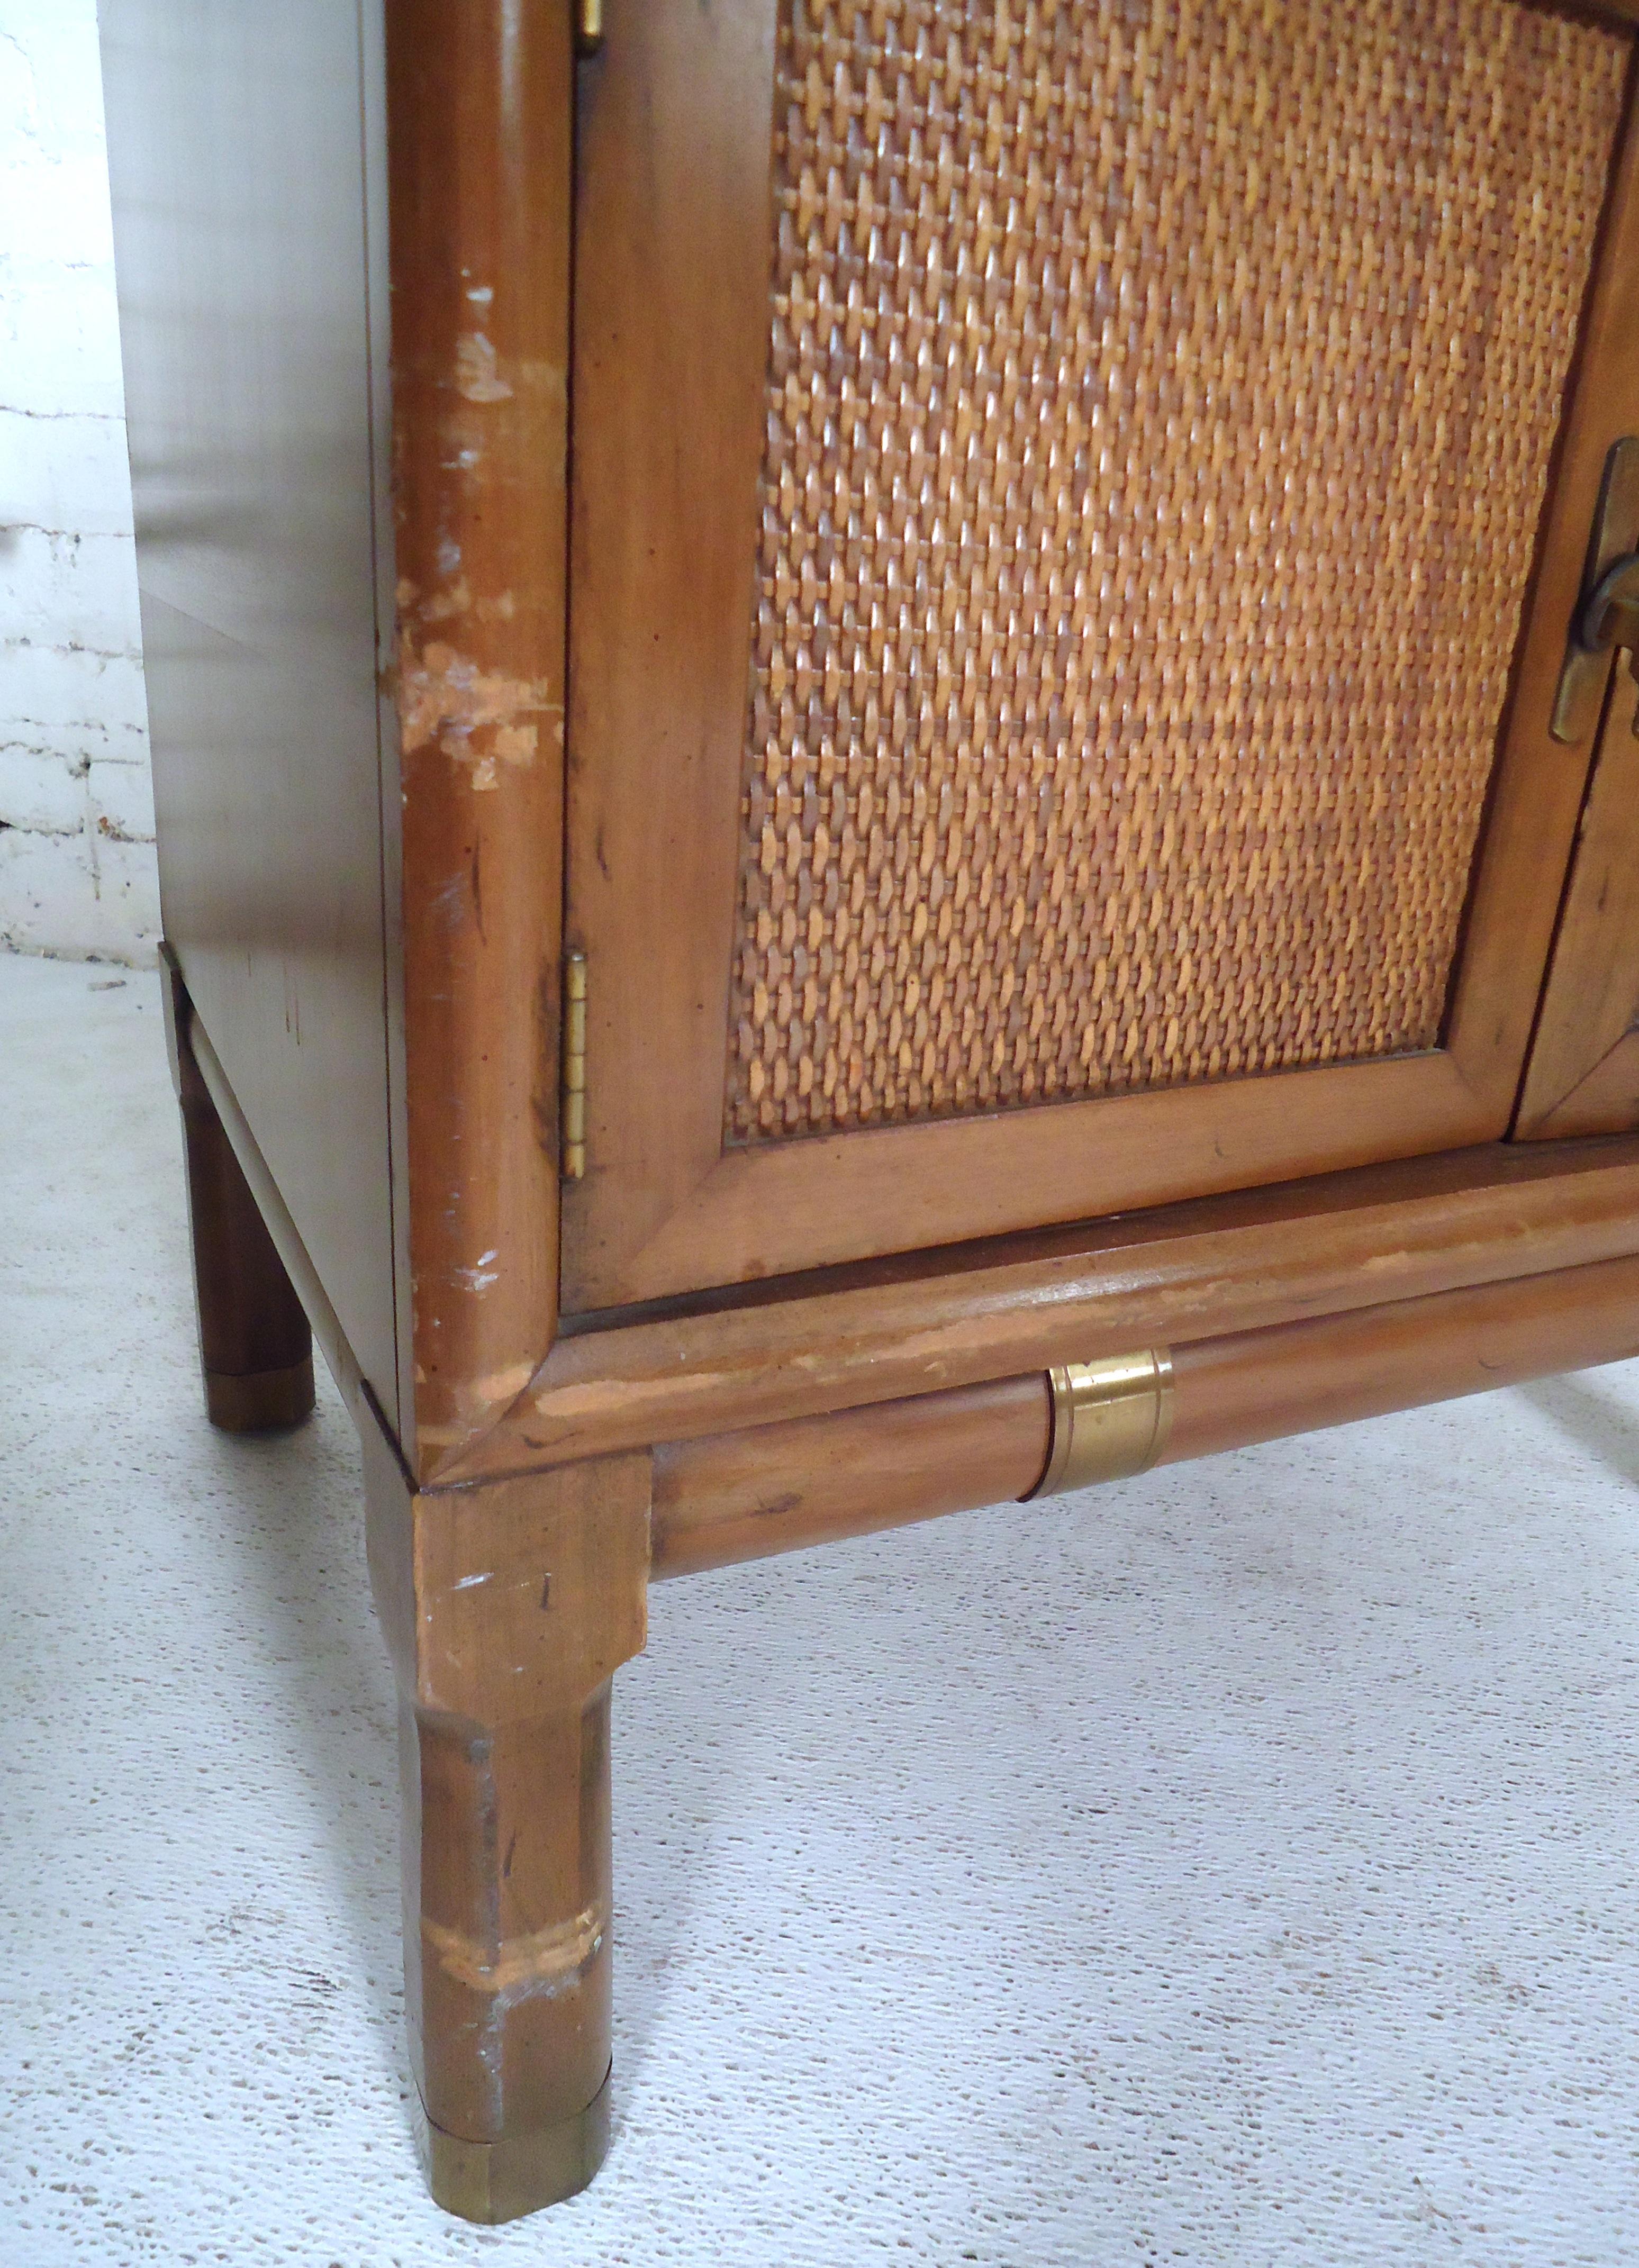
(888, 762)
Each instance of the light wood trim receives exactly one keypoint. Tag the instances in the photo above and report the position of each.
(674, 221)
(1583, 1073)
(479, 131)
(1262, 1386)
(1605, 1101)
(782, 1488)
(1539, 785)
(1186, 1272)
(773, 1488)
(671, 338)
(844, 1197)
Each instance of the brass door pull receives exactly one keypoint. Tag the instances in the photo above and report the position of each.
(1607, 611)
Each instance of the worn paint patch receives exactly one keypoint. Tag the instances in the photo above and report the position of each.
(479, 717)
(540, 1966)
(478, 376)
(480, 1275)
(454, 600)
(503, 1385)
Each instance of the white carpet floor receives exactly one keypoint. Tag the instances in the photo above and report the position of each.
(1232, 1866)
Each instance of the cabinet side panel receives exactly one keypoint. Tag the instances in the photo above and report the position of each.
(239, 161)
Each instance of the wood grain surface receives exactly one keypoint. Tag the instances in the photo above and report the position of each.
(784, 1487)
(744, 1496)
(507, 1612)
(1583, 1073)
(479, 132)
(1166, 1278)
(256, 1347)
(251, 290)
(674, 202)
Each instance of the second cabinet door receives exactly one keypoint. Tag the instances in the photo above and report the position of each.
(1076, 513)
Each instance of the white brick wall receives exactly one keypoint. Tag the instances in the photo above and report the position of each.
(77, 862)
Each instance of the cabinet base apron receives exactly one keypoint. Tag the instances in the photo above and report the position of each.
(767, 1489)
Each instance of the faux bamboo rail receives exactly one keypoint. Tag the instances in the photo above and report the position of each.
(1171, 1276)
(768, 1488)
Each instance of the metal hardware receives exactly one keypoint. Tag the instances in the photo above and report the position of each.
(1607, 610)
(1111, 1419)
(491, 2181)
(589, 26)
(572, 1110)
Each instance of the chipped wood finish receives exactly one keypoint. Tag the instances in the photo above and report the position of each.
(478, 140)
(1166, 1278)
(507, 1609)
(509, 2018)
(547, 1961)
(785, 1487)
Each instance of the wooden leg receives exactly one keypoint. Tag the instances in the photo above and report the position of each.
(506, 1609)
(506, 1894)
(254, 1345)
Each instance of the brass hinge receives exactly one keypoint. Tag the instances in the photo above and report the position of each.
(589, 25)
(1607, 608)
(571, 1117)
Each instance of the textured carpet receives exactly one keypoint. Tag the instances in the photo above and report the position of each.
(1236, 1866)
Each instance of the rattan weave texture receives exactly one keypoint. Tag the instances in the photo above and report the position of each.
(1160, 405)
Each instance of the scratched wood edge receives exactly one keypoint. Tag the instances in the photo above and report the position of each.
(1180, 1274)
(729, 1497)
(480, 254)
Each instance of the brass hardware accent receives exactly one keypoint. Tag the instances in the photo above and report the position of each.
(572, 1111)
(1109, 1419)
(589, 26)
(1607, 610)
(493, 2182)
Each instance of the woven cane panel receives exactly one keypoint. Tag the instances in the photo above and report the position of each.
(1159, 412)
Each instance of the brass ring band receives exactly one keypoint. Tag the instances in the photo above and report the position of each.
(494, 2182)
(1111, 1419)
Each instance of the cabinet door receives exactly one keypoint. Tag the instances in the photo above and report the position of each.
(1076, 512)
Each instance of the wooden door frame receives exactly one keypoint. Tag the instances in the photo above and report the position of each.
(1583, 1073)
(670, 341)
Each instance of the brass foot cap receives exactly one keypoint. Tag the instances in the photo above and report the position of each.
(264, 1402)
(499, 2181)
